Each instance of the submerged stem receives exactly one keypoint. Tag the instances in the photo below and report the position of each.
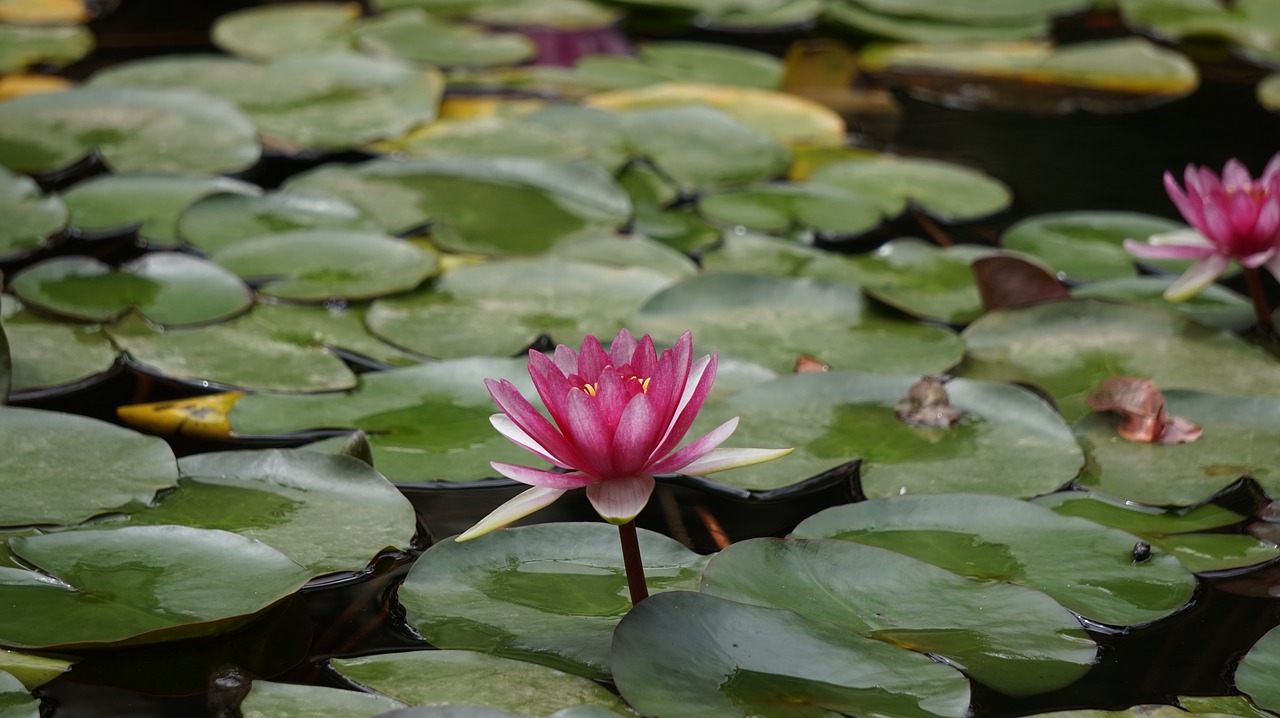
(631, 561)
(1253, 279)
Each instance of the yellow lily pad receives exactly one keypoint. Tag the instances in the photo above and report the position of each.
(202, 417)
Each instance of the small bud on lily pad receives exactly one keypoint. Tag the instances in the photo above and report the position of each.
(927, 404)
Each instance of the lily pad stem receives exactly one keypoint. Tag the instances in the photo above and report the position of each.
(932, 229)
(632, 563)
(1253, 279)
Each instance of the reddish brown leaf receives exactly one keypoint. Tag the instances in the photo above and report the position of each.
(1142, 411)
(1006, 281)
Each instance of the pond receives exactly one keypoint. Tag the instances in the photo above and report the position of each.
(264, 257)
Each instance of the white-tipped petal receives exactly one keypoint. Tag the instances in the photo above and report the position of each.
(517, 508)
(620, 500)
(1197, 277)
(725, 459)
(1180, 238)
(517, 436)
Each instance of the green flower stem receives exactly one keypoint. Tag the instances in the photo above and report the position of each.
(1253, 278)
(632, 563)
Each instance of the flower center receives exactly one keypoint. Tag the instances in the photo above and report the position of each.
(632, 384)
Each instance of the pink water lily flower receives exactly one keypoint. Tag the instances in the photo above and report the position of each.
(1235, 217)
(616, 419)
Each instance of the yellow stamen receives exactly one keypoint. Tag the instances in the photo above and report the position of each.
(590, 389)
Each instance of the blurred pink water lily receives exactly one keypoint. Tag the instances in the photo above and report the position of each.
(616, 419)
(1235, 217)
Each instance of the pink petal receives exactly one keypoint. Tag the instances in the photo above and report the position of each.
(645, 358)
(517, 508)
(591, 360)
(1217, 226)
(566, 360)
(531, 421)
(1178, 251)
(1190, 209)
(695, 393)
(623, 346)
(1242, 211)
(1197, 277)
(694, 451)
(538, 477)
(552, 386)
(1272, 170)
(1235, 175)
(1268, 221)
(516, 435)
(587, 431)
(611, 398)
(723, 459)
(1253, 261)
(635, 436)
(621, 500)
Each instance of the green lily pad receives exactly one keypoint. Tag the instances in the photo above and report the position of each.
(414, 35)
(493, 137)
(835, 212)
(269, 31)
(1069, 347)
(133, 129)
(1240, 438)
(31, 217)
(500, 307)
(138, 584)
(6, 367)
(425, 423)
(165, 287)
(626, 250)
(750, 253)
(15, 700)
(995, 12)
(1182, 534)
(314, 265)
(1257, 671)
(1088, 568)
(248, 352)
(682, 62)
(328, 101)
(1223, 705)
(150, 203)
(1013, 639)
(1215, 306)
(1253, 25)
(1009, 443)
(563, 15)
(922, 279)
(220, 220)
(1084, 246)
(46, 355)
(340, 329)
(423, 678)
(110, 468)
(549, 593)
(772, 321)
(22, 46)
(942, 190)
(858, 16)
(543, 202)
(31, 670)
(288, 700)
(689, 654)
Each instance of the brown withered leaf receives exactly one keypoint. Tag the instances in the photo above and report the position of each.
(927, 404)
(1142, 411)
(1006, 281)
(808, 364)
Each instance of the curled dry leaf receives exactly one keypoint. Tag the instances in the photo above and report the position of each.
(927, 404)
(1142, 413)
(807, 364)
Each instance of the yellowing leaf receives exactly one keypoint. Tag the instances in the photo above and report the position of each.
(203, 417)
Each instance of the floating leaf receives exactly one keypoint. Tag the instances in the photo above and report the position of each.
(1251, 24)
(493, 137)
(682, 62)
(922, 280)
(549, 593)
(149, 203)
(834, 212)
(38, 12)
(1214, 306)
(133, 129)
(689, 654)
(910, 27)
(1268, 92)
(44, 483)
(138, 584)
(994, 12)
(166, 287)
(47, 356)
(631, 250)
(31, 670)
(15, 701)
(1085, 567)
(772, 320)
(1257, 671)
(288, 700)
(474, 679)
(758, 254)
(6, 366)
(1011, 638)
(702, 148)
(23, 46)
(942, 190)
(269, 31)
(204, 417)
(1087, 245)
(1069, 347)
(220, 220)
(414, 35)
(31, 218)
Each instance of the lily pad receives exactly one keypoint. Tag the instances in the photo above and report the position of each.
(249, 352)
(1252, 25)
(30, 669)
(422, 678)
(549, 593)
(31, 218)
(15, 701)
(269, 31)
(1187, 535)
(1088, 568)
(501, 307)
(1085, 246)
(995, 12)
(288, 700)
(682, 62)
(340, 329)
(1215, 306)
(1009, 443)
(562, 15)
(543, 202)
(6, 366)
(138, 584)
(315, 265)
(494, 137)
(426, 423)
(1013, 639)
(857, 15)
(22, 46)
(1256, 674)
(942, 190)
(702, 148)
(47, 356)
(922, 279)
(414, 35)
(1241, 438)
(1268, 92)
(750, 253)
(132, 129)
(166, 287)
(220, 220)
(626, 250)
(689, 654)
(834, 212)
(44, 483)
(772, 321)
(1069, 347)
(149, 203)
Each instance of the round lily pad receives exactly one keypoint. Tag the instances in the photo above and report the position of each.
(340, 329)
(289, 700)
(31, 218)
(321, 264)
(268, 31)
(1215, 306)
(922, 279)
(549, 593)
(626, 250)
(834, 212)
(423, 678)
(689, 654)
(166, 287)
(133, 129)
(30, 669)
(501, 307)
(702, 148)
(926, 29)
(1256, 674)
(149, 203)
(996, 12)
(48, 356)
(682, 62)
(414, 35)
(1086, 245)
(772, 321)
(15, 700)
(493, 136)
(750, 253)
(1085, 567)
(1010, 638)
(1069, 347)
(220, 220)
(942, 190)
(542, 202)
(45, 483)
(138, 584)
(22, 46)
